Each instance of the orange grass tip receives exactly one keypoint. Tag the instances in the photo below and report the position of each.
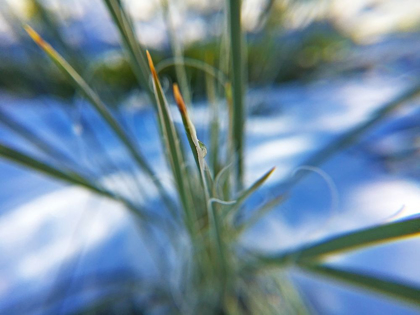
(271, 171)
(151, 65)
(179, 100)
(35, 36)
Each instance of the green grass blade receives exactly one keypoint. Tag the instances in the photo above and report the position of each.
(248, 192)
(128, 36)
(196, 64)
(101, 109)
(32, 137)
(172, 145)
(214, 123)
(199, 152)
(67, 176)
(350, 241)
(238, 84)
(243, 196)
(401, 291)
(197, 147)
(177, 51)
(258, 214)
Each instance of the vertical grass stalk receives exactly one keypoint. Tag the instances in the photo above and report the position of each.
(238, 88)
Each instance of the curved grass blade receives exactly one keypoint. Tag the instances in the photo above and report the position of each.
(349, 241)
(101, 109)
(350, 137)
(68, 176)
(194, 63)
(401, 291)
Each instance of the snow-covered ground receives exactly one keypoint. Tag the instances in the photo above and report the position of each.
(48, 230)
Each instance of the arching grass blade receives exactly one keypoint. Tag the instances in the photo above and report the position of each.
(101, 109)
(67, 176)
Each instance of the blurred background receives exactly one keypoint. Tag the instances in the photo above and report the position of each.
(315, 69)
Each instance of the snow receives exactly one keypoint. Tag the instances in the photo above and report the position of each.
(67, 230)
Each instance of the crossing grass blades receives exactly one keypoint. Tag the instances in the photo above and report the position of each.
(219, 275)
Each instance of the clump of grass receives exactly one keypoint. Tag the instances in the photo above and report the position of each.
(221, 275)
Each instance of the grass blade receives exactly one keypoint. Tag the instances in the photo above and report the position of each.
(397, 290)
(172, 144)
(237, 78)
(177, 51)
(32, 137)
(258, 214)
(349, 241)
(197, 147)
(100, 108)
(129, 38)
(196, 64)
(67, 176)
(351, 136)
(248, 192)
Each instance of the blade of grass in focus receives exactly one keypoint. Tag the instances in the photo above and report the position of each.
(173, 150)
(199, 151)
(102, 110)
(397, 290)
(347, 242)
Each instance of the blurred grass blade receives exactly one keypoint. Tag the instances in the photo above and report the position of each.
(101, 109)
(351, 136)
(68, 176)
(177, 51)
(32, 137)
(214, 128)
(196, 64)
(129, 38)
(349, 241)
(172, 144)
(238, 84)
(397, 290)
(259, 213)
